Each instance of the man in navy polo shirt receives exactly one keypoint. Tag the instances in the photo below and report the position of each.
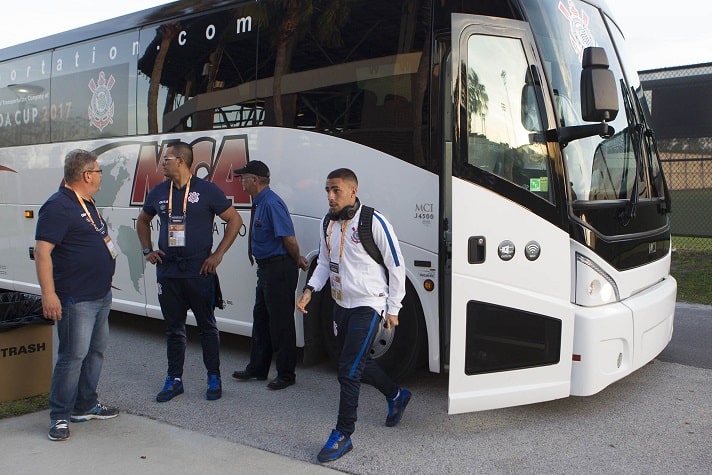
(75, 262)
(275, 248)
(185, 262)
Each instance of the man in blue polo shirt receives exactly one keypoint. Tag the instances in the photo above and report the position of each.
(75, 262)
(275, 248)
(185, 262)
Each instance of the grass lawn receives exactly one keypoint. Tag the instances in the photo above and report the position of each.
(692, 267)
(23, 406)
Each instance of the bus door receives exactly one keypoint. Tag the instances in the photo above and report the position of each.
(511, 320)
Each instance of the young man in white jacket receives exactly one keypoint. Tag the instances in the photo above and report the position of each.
(365, 293)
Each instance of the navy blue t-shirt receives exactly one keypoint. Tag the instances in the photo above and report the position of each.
(271, 223)
(82, 264)
(205, 200)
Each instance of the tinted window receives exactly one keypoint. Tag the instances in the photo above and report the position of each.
(199, 73)
(355, 70)
(25, 101)
(504, 114)
(94, 89)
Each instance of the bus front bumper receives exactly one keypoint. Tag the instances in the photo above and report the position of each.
(612, 341)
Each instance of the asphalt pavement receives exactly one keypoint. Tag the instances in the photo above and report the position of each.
(656, 421)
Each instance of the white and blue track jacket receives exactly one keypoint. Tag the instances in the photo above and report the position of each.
(347, 266)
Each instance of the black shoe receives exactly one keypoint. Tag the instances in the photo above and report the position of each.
(247, 376)
(277, 383)
(99, 411)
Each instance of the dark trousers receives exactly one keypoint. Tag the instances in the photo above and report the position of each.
(273, 320)
(176, 296)
(355, 330)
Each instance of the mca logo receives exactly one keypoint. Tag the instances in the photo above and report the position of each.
(101, 106)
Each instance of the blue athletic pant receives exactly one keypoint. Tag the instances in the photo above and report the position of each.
(355, 330)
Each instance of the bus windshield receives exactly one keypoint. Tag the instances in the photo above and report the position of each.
(596, 168)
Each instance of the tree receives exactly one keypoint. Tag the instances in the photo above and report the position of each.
(477, 98)
(297, 18)
(167, 32)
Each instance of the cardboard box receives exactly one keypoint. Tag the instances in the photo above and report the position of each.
(25, 361)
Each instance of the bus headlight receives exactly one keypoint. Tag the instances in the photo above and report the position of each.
(593, 285)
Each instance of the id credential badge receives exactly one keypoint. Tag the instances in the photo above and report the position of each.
(176, 231)
(336, 289)
(110, 246)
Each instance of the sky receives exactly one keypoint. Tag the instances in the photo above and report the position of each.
(659, 35)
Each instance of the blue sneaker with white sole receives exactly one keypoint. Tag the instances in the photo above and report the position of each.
(99, 411)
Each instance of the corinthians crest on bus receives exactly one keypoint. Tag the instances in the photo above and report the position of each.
(101, 106)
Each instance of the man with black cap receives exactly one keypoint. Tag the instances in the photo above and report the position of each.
(275, 248)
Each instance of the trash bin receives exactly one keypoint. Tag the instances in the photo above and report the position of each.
(25, 347)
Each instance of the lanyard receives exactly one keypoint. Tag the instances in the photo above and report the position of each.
(185, 198)
(84, 206)
(328, 239)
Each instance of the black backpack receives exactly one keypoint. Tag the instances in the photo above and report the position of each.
(365, 234)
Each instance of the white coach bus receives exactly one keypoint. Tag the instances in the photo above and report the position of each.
(508, 142)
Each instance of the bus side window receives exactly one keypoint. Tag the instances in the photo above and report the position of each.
(505, 114)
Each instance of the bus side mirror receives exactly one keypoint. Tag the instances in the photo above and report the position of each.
(599, 100)
(530, 101)
(599, 97)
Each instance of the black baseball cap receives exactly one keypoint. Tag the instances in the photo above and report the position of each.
(254, 167)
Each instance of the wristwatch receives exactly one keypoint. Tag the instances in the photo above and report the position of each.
(147, 250)
(308, 287)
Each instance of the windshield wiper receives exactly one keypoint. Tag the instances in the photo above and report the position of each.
(636, 133)
(654, 153)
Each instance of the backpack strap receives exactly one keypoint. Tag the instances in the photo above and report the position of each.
(365, 234)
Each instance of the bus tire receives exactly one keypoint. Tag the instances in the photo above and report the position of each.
(398, 351)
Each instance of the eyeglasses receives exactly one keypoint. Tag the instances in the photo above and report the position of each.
(247, 177)
(168, 159)
(99, 171)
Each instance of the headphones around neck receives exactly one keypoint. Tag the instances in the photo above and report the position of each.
(346, 213)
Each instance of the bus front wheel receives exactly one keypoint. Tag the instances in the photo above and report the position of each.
(398, 350)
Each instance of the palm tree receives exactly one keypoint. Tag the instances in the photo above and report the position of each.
(167, 32)
(299, 17)
(477, 98)
(421, 77)
(293, 17)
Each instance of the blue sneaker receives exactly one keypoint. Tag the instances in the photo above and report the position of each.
(214, 388)
(337, 445)
(58, 430)
(396, 406)
(99, 411)
(172, 388)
